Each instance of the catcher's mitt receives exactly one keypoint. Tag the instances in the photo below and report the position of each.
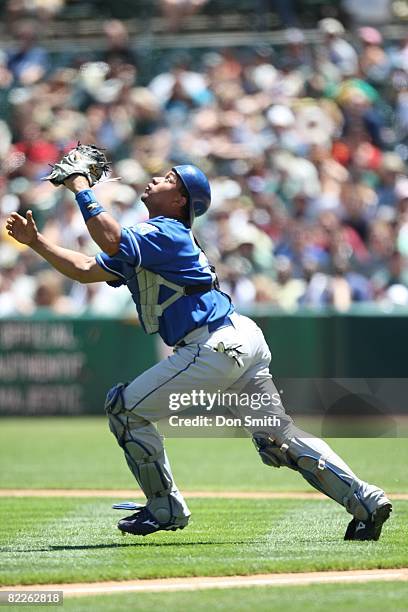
(88, 160)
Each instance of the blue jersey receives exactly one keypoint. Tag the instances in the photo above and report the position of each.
(154, 260)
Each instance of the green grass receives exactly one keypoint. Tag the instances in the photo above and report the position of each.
(312, 598)
(46, 540)
(82, 453)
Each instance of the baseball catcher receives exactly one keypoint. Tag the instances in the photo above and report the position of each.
(176, 293)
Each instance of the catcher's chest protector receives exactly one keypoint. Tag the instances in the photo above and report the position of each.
(149, 289)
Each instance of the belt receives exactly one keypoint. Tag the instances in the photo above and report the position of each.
(193, 289)
(224, 322)
(212, 327)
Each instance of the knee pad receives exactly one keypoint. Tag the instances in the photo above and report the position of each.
(322, 472)
(115, 402)
(269, 451)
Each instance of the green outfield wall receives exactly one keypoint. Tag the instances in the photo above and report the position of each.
(65, 365)
(59, 365)
(362, 343)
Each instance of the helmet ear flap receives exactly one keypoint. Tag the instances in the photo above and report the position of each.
(199, 208)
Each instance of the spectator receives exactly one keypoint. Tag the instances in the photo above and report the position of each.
(287, 290)
(175, 11)
(369, 11)
(28, 62)
(49, 294)
(118, 49)
(305, 147)
(374, 63)
(390, 169)
(340, 52)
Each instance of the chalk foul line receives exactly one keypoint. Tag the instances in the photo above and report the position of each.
(218, 582)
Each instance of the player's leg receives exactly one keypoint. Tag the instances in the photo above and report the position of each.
(147, 460)
(133, 409)
(315, 460)
(284, 444)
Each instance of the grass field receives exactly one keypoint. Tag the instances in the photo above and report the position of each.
(311, 598)
(53, 539)
(82, 453)
(76, 541)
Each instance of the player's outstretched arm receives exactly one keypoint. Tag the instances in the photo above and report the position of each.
(72, 264)
(103, 228)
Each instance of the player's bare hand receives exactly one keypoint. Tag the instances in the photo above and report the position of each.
(22, 229)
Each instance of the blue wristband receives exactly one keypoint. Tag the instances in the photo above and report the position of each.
(88, 204)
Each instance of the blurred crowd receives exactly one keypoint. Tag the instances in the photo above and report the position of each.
(306, 146)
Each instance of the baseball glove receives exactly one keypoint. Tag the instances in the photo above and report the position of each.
(88, 160)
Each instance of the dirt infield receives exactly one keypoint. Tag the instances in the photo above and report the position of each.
(217, 582)
(131, 494)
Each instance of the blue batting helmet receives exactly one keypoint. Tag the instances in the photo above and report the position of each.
(198, 189)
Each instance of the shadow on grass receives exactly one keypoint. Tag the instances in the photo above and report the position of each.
(121, 545)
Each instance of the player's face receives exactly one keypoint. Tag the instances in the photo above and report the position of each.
(163, 196)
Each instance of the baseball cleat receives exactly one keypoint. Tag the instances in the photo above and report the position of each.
(143, 523)
(371, 528)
